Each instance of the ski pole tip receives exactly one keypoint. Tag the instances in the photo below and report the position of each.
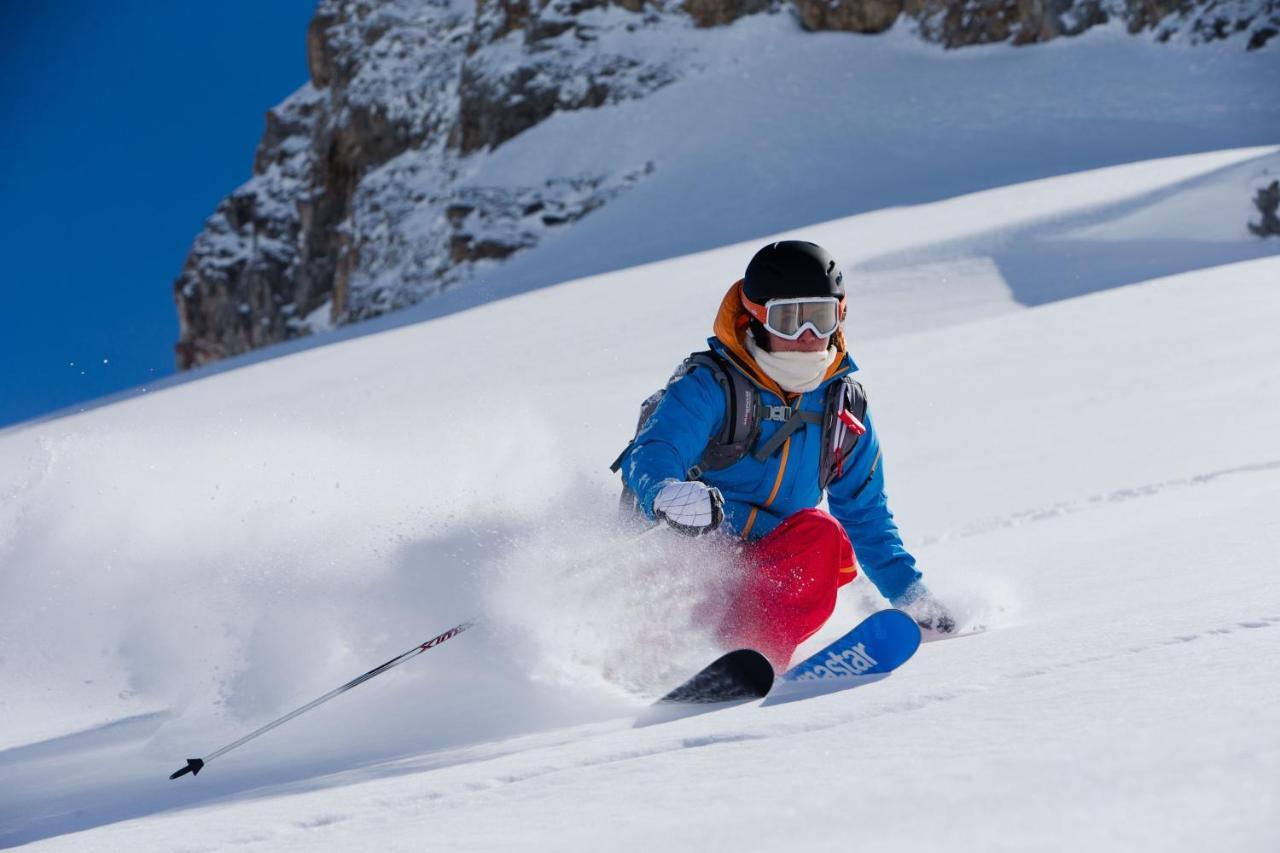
(193, 767)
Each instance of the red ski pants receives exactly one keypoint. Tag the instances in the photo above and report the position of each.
(789, 586)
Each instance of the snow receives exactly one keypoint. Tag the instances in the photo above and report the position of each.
(1075, 381)
(781, 128)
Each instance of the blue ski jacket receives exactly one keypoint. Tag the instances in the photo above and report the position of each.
(759, 495)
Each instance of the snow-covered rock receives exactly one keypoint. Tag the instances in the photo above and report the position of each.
(358, 200)
(370, 191)
(968, 22)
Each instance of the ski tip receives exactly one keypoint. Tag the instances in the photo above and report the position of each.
(193, 767)
(739, 675)
(935, 637)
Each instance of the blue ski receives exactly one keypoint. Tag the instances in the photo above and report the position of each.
(880, 644)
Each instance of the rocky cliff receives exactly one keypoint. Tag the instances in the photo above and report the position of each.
(958, 23)
(362, 202)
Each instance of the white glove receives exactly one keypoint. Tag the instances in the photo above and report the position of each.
(692, 508)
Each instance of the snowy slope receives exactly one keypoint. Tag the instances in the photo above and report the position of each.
(1096, 478)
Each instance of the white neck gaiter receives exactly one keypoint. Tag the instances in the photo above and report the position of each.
(796, 372)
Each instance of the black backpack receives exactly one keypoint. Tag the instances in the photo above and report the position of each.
(841, 422)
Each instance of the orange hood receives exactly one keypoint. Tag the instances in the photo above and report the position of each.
(731, 330)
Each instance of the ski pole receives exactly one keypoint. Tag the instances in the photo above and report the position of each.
(195, 765)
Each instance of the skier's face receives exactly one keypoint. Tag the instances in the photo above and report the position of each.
(807, 342)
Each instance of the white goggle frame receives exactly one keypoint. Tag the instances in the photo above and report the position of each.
(807, 324)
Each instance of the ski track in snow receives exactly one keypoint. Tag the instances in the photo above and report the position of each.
(984, 526)
(1179, 639)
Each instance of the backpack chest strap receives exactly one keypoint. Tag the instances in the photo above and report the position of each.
(792, 420)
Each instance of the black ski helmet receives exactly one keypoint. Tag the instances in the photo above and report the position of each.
(790, 269)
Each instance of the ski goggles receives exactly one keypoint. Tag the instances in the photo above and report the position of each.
(788, 318)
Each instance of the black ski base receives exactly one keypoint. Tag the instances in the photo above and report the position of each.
(737, 676)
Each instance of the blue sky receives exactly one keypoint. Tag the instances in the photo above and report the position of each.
(122, 125)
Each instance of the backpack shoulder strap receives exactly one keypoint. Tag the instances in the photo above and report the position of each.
(741, 425)
(741, 421)
(842, 426)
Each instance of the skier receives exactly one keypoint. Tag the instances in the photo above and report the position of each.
(786, 422)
